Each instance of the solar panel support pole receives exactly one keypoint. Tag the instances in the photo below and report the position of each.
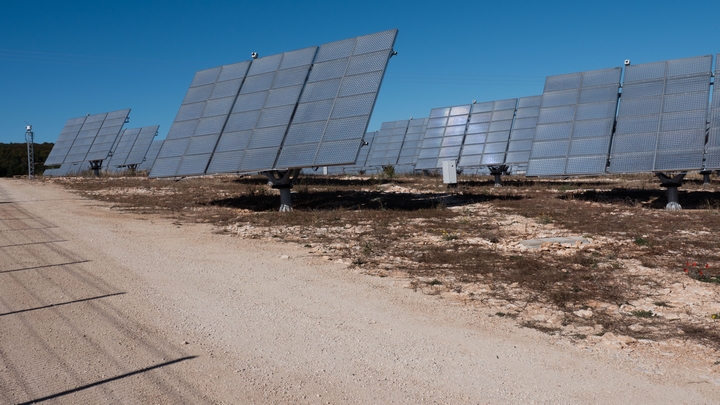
(706, 177)
(497, 172)
(672, 184)
(283, 181)
(29, 138)
(96, 165)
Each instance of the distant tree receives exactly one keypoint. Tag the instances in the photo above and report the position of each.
(13, 158)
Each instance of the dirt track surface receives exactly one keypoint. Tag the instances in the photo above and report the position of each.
(98, 306)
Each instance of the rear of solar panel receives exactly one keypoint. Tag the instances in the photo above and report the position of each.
(523, 131)
(443, 137)
(575, 124)
(488, 133)
(65, 140)
(661, 121)
(712, 147)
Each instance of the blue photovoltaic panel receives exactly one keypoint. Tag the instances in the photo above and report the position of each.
(258, 123)
(575, 124)
(523, 130)
(487, 134)
(360, 162)
(107, 135)
(303, 108)
(141, 145)
(203, 113)
(337, 101)
(151, 155)
(444, 136)
(386, 148)
(712, 147)
(122, 149)
(411, 145)
(64, 143)
(661, 120)
(89, 131)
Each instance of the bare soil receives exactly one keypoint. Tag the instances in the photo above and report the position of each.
(374, 290)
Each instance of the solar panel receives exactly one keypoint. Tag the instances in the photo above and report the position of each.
(361, 159)
(65, 140)
(411, 145)
(339, 97)
(212, 89)
(122, 149)
(712, 147)
(386, 146)
(141, 145)
(523, 130)
(107, 135)
(575, 123)
(487, 133)
(151, 155)
(661, 121)
(85, 138)
(262, 113)
(443, 137)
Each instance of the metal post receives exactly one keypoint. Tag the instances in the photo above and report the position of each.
(672, 184)
(706, 177)
(497, 172)
(30, 139)
(96, 165)
(283, 181)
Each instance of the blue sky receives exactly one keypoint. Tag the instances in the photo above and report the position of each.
(64, 59)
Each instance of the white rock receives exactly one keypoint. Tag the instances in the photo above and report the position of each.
(584, 313)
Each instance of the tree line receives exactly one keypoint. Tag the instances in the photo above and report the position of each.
(13, 158)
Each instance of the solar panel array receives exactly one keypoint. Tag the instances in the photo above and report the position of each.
(661, 121)
(386, 146)
(107, 135)
(487, 134)
(65, 140)
(575, 123)
(132, 146)
(297, 109)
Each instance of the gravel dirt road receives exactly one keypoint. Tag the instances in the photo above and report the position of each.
(100, 306)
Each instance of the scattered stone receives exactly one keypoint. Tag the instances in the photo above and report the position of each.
(584, 313)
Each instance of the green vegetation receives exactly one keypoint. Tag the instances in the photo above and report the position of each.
(13, 158)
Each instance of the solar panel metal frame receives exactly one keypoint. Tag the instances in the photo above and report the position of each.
(65, 140)
(575, 124)
(360, 160)
(662, 118)
(444, 136)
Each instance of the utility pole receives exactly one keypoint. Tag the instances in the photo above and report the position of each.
(31, 151)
